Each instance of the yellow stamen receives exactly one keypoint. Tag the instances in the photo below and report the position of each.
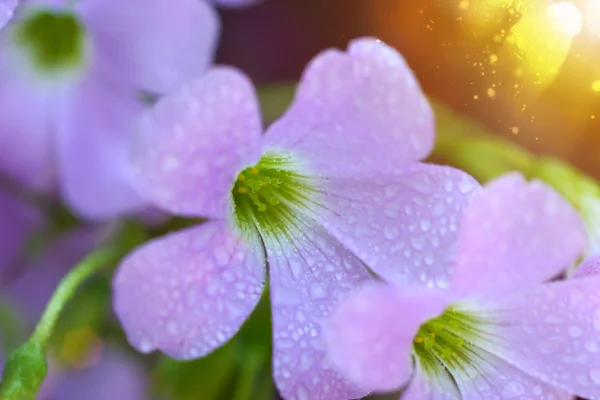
(254, 171)
(418, 340)
(241, 177)
(242, 190)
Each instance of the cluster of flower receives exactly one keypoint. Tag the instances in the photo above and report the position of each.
(384, 272)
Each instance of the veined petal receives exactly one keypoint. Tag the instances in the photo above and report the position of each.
(423, 387)
(155, 44)
(403, 225)
(95, 173)
(552, 333)
(370, 335)
(358, 111)
(310, 271)
(588, 268)
(187, 293)
(514, 235)
(7, 8)
(188, 150)
(495, 379)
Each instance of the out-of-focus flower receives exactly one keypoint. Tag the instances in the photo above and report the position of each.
(19, 222)
(350, 142)
(500, 330)
(7, 8)
(115, 375)
(84, 366)
(71, 78)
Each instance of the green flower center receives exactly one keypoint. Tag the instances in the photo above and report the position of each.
(55, 41)
(447, 344)
(267, 196)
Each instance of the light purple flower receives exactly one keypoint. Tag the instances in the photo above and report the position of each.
(19, 221)
(71, 76)
(500, 330)
(335, 178)
(7, 8)
(107, 372)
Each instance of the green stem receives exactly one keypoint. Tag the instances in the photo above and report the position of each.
(67, 287)
(26, 366)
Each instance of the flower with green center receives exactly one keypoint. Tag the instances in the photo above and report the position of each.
(54, 41)
(71, 74)
(335, 179)
(501, 329)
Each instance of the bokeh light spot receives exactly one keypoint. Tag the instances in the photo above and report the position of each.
(567, 17)
(596, 86)
(81, 348)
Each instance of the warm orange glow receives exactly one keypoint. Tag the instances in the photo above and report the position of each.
(566, 17)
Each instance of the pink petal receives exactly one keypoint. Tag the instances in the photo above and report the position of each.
(588, 268)
(552, 333)
(189, 149)
(402, 225)
(187, 293)
(7, 8)
(370, 334)
(310, 271)
(155, 44)
(515, 234)
(358, 111)
(95, 173)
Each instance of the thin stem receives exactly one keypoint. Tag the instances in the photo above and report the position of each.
(67, 287)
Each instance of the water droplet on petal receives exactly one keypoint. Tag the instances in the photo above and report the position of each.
(595, 375)
(391, 232)
(575, 331)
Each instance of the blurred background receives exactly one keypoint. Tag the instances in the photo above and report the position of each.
(529, 70)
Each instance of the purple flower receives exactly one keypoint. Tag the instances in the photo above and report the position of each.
(7, 8)
(71, 76)
(19, 221)
(335, 178)
(500, 330)
(102, 371)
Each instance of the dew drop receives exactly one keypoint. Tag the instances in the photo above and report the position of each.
(172, 328)
(595, 375)
(418, 242)
(391, 232)
(465, 186)
(596, 320)
(575, 331)
(592, 346)
(512, 389)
